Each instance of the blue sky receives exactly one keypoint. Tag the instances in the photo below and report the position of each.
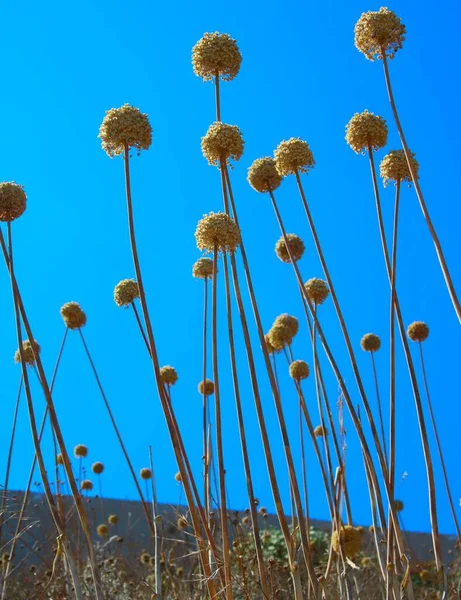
(64, 65)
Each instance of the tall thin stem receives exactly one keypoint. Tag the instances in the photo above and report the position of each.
(206, 498)
(158, 578)
(218, 100)
(380, 408)
(141, 328)
(414, 176)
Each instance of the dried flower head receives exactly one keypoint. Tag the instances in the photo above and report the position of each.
(12, 201)
(102, 530)
(126, 292)
(316, 290)
(178, 477)
(398, 505)
(73, 315)
(216, 54)
(366, 130)
(145, 473)
(361, 529)
(418, 331)
(80, 451)
(291, 323)
(217, 230)
(379, 33)
(263, 175)
(295, 245)
(206, 387)
(320, 431)
(370, 342)
(269, 347)
(59, 460)
(97, 468)
(282, 332)
(86, 485)
(29, 350)
(168, 375)
(349, 539)
(125, 127)
(221, 143)
(203, 268)
(292, 156)
(394, 167)
(182, 523)
(113, 519)
(299, 369)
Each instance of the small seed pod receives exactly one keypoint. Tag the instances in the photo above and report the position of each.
(206, 387)
(168, 375)
(145, 473)
(86, 485)
(394, 167)
(263, 175)
(366, 130)
(217, 230)
(182, 523)
(178, 477)
(379, 32)
(113, 519)
(73, 316)
(80, 451)
(418, 331)
(299, 369)
(126, 292)
(125, 127)
(370, 342)
(13, 201)
(202, 268)
(216, 54)
(222, 143)
(349, 539)
(292, 156)
(320, 431)
(29, 352)
(316, 290)
(295, 245)
(97, 468)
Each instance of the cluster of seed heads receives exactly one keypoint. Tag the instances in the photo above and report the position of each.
(370, 342)
(73, 316)
(299, 369)
(348, 540)
(394, 167)
(263, 175)
(126, 292)
(316, 290)
(379, 33)
(29, 351)
(217, 231)
(12, 201)
(292, 156)
(216, 55)
(168, 375)
(222, 143)
(366, 130)
(295, 246)
(125, 127)
(418, 331)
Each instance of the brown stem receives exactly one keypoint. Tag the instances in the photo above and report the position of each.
(141, 328)
(205, 401)
(414, 176)
(380, 408)
(218, 100)
(304, 473)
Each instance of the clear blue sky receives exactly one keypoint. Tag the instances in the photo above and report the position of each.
(63, 65)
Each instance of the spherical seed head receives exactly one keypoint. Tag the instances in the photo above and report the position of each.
(280, 335)
(216, 53)
(320, 431)
(182, 523)
(102, 530)
(370, 342)
(125, 126)
(217, 230)
(80, 451)
(113, 519)
(379, 32)
(29, 350)
(12, 201)
(270, 348)
(145, 473)
(316, 290)
(398, 505)
(295, 244)
(178, 477)
(168, 375)
(350, 540)
(293, 155)
(291, 323)
(418, 331)
(202, 268)
(97, 468)
(299, 369)
(86, 485)
(206, 387)
(126, 292)
(366, 129)
(73, 315)
(394, 167)
(222, 143)
(263, 175)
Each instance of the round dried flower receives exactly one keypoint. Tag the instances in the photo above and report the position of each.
(366, 130)
(349, 539)
(12, 201)
(394, 167)
(379, 32)
(86, 485)
(280, 335)
(221, 143)
(263, 175)
(299, 369)
(182, 523)
(73, 315)
(178, 477)
(29, 350)
(292, 156)
(216, 54)
(125, 126)
(102, 530)
(316, 290)
(59, 460)
(113, 519)
(270, 348)
(217, 230)
(398, 505)
(80, 451)
(126, 292)
(370, 342)
(97, 468)
(145, 473)
(291, 323)
(203, 268)
(418, 331)
(168, 375)
(320, 431)
(295, 245)
(206, 387)
(145, 558)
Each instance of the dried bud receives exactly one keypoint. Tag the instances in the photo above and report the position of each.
(97, 468)
(217, 230)
(126, 292)
(125, 127)
(206, 387)
(102, 530)
(12, 201)
(178, 477)
(263, 175)
(398, 505)
(295, 245)
(29, 351)
(168, 375)
(203, 268)
(80, 451)
(221, 143)
(145, 473)
(378, 33)
(320, 431)
(370, 342)
(292, 156)
(73, 315)
(299, 369)
(86, 485)
(366, 130)
(394, 167)
(216, 54)
(113, 519)
(418, 331)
